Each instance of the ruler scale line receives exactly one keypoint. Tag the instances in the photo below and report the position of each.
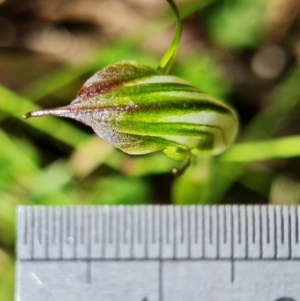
(246, 235)
(118, 231)
(89, 245)
(225, 225)
(255, 232)
(139, 225)
(231, 234)
(261, 233)
(47, 238)
(182, 225)
(232, 244)
(196, 224)
(97, 240)
(210, 225)
(82, 227)
(160, 281)
(32, 225)
(253, 226)
(60, 218)
(104, 233)
(40, 225)
(297, 225)
(203, 232)
(232, 270)
(133, 231)
(76, 232)
(189, 232)
(89, 238)
(295, 247)
(174, 230)
(146, 233)
(268, 227)
(218, 234)
(289, 232)
(239, 240)
(24, 222)
(159, 232)
(282, 225)
(275, 235)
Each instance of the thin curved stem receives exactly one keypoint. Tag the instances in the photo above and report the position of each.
(169, 57)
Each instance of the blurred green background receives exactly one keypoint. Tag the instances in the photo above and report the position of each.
(245, 52)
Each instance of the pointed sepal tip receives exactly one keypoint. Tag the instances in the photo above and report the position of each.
(27, 116)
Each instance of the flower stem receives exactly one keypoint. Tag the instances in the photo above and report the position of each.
(169, 57)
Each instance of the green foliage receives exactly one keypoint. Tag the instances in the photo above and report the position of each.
(129, 191)
(53, 161)
(237, 24)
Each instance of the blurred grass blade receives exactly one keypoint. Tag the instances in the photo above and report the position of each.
(284, 99)
(15, 154)
(7, 284)
(60, 130)
(264, 150)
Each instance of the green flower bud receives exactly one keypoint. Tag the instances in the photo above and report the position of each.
(142, 110)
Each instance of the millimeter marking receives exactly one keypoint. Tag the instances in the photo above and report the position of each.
(158, 253)
(158, 232)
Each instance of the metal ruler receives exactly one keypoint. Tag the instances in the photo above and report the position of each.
(158, 253)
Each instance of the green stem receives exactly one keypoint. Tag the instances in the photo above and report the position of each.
(168, 59)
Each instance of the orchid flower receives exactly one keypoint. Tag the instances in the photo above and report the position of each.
(141, 110)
